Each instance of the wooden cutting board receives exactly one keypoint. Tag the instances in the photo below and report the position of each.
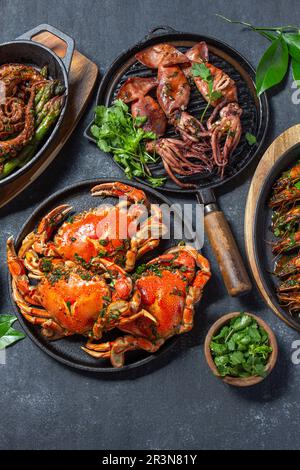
(82, 79)
(282, 143)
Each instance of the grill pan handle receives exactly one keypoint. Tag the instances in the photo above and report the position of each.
(161, 29)
(225, 250)
(70, 43)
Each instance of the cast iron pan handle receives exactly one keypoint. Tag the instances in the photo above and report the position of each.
(226, 251)
(161, 29)
(64, 37)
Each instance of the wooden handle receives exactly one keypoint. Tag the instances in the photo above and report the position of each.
(227, 254)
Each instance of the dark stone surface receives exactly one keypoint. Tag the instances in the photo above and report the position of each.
(180, 405)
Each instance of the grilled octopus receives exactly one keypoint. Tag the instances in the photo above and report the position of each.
(19, 85)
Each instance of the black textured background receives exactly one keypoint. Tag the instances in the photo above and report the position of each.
(180, 405)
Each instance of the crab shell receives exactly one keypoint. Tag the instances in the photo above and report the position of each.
(67, 298)
(74, 302)
(121, 233)
(168, 290)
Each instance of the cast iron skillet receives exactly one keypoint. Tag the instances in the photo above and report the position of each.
(25, 51)
(262, 234)
(255, 120)
(68, 350)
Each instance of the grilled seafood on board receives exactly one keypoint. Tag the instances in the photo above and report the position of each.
(210, 143)
(286, 228)
(30, 104)
(68, 279)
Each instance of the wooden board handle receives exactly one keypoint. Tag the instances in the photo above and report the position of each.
(227, 253)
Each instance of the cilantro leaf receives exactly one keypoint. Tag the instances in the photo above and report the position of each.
(241, 348)
(200, 70)
(118, 133)
(251, 139)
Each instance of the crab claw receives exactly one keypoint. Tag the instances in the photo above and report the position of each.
(17, 269)
(121, 190)
(38, 240)
(121, 281)
(115, 350)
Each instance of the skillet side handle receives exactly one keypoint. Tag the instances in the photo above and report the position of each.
(226, 252)
(70, 43)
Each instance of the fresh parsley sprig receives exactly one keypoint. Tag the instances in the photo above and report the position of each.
(284, 49)
(202, 71)
(118, 133)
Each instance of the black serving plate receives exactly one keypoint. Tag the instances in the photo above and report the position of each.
(68, 350)
(263, 236)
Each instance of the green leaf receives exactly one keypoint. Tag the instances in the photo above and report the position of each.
(296, 71)
(200, 70)
(297, 185)
(293, 42)
(156, 182)
(241, 322)
(215, 95)
(251, 139)
(236, 357)
(10, 337)
(272, 66)
(218, 349)
(222, 334)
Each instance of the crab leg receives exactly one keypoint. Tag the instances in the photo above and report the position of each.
(115, 350)
(17, 270)
(146, 238)
(117, 315)
(121, 190)
(122, 283)
(38, 241)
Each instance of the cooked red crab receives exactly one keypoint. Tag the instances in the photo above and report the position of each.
(168, 289)
(135, 90)
(120, 233)
(69, 299)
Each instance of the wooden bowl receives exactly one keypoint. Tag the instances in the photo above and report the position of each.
(238, 381)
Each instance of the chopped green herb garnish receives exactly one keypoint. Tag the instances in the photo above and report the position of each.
(202, 71)
(251, 139)
(46, 265)
(241, 348)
